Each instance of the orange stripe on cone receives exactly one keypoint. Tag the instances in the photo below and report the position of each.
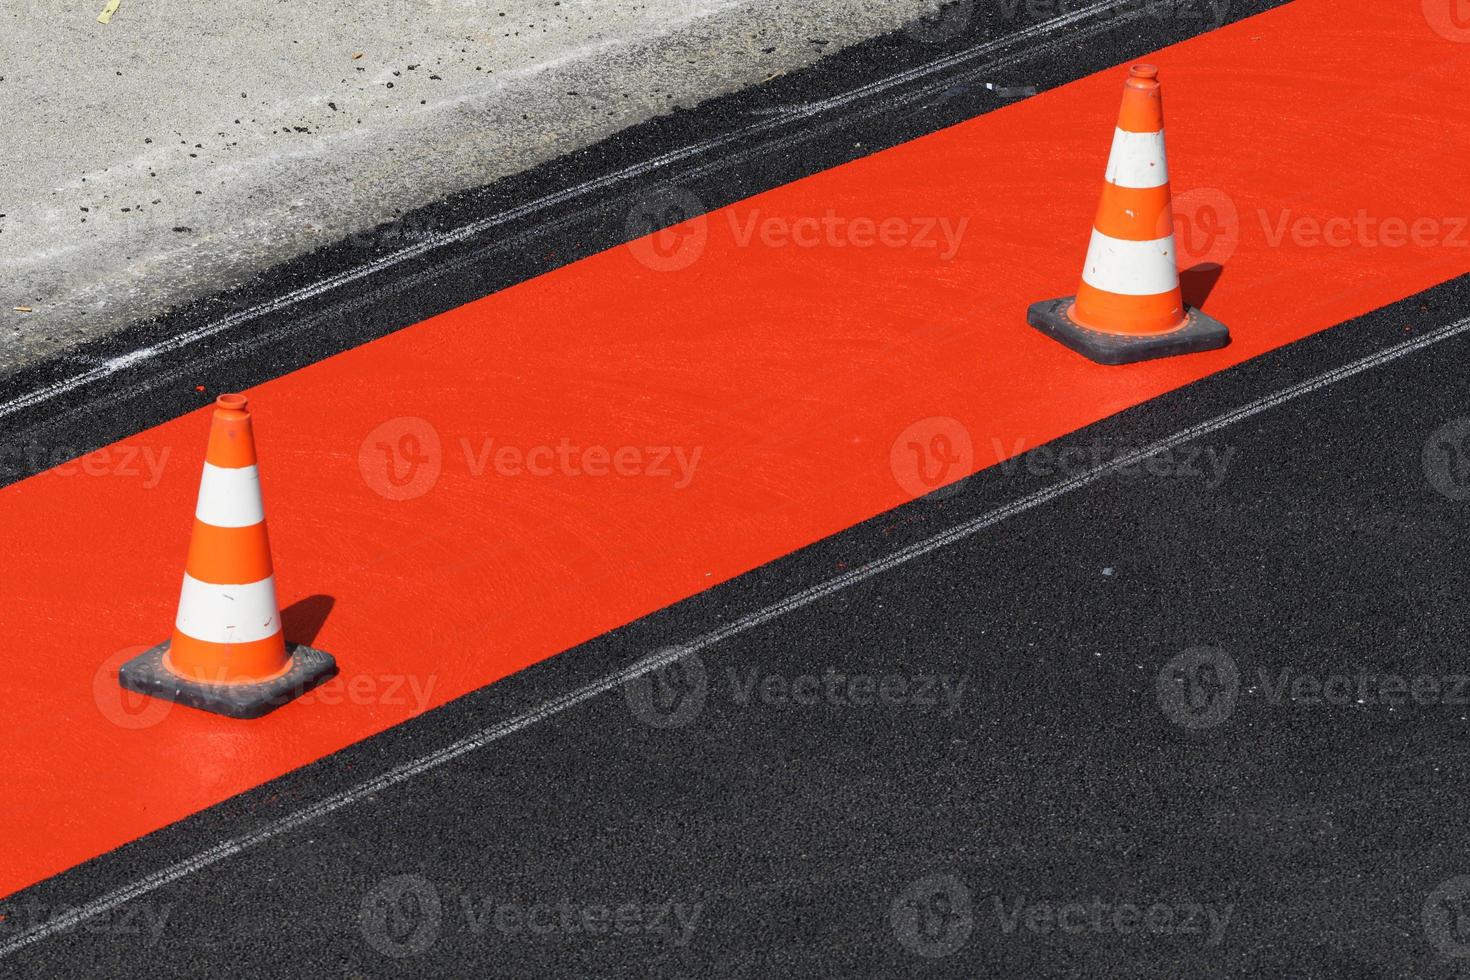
(227, 663)
(229, 555)
(1156, 313)
(1135, 214)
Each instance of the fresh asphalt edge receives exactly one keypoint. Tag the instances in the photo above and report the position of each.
(524, 226)
(978, 503)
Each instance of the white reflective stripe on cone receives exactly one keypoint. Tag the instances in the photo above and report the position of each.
(230, 497)
(1138, 160)
(228, 613)
(1130, 268)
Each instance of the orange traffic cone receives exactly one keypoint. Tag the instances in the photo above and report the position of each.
(1128, 307)
(228, 653)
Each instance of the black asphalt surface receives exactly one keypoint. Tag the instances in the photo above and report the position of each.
(1204, 717)
(1089, 740)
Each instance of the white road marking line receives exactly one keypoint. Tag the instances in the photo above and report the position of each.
(806, 597)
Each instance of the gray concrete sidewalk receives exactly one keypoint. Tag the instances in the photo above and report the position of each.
(186, 145)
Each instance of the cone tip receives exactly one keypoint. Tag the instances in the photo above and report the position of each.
(1144, 71)
(234, 403)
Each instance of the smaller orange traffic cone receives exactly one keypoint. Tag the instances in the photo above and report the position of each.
(228, 653)
(1128, 307)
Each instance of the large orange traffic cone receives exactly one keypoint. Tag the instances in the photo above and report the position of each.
(228, 653)
(1128, 307)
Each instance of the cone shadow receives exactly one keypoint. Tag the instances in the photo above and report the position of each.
(1198, 281)
(304, 619)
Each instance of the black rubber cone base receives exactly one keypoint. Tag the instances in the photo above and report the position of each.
(146, 674)
(1200, 332)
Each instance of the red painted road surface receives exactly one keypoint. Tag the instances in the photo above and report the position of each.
(790, 370)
